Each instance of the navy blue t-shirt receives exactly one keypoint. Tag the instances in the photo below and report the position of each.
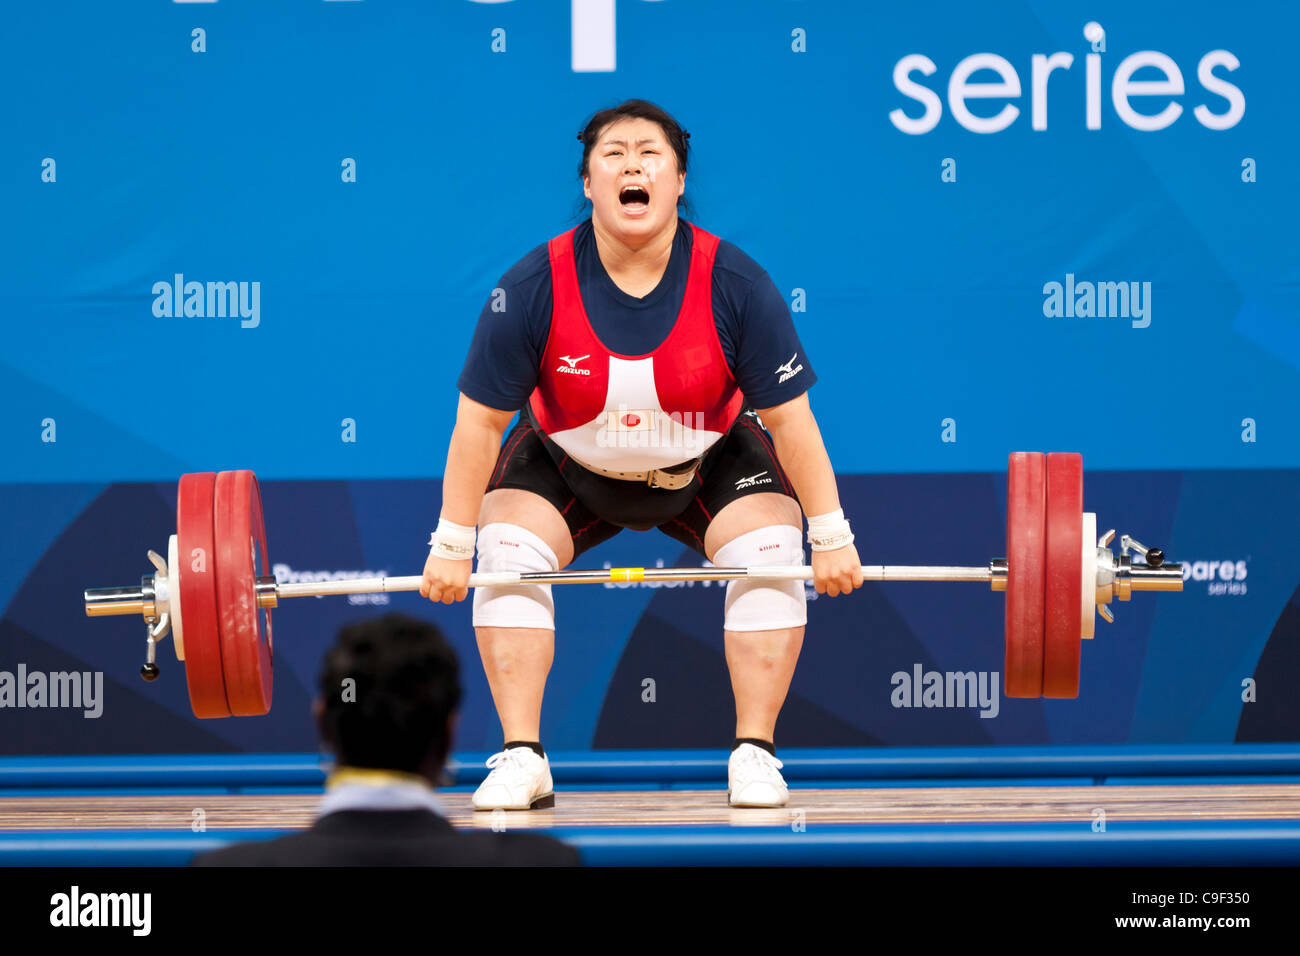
(753, 322)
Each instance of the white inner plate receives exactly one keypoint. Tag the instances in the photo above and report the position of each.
(174, 597)
(1089, 606)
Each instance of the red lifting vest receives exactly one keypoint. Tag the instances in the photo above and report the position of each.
(635, 412)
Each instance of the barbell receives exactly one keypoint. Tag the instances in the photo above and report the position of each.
(214, 594)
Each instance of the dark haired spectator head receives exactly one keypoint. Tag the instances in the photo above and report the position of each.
(389, 692)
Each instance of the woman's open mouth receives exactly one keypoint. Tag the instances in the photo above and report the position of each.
(635, 199)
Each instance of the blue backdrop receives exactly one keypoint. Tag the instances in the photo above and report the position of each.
(363, 173)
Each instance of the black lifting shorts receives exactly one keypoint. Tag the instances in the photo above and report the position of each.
(595, 507)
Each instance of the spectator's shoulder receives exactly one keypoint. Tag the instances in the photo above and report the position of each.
(521, 849)
(273, 852)
(443, 848)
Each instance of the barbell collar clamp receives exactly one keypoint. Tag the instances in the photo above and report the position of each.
(1128, 542)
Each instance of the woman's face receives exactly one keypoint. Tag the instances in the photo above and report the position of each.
(632, 179)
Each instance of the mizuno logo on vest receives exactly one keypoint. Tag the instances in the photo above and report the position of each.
(752, 480)
(571, 368)
(786, 372)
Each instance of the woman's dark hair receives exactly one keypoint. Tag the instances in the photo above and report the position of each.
(405, 686)
(677, 137)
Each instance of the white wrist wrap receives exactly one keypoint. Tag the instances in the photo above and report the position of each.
(829, 531)
(452, 541)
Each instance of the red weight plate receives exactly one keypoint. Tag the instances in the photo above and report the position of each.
(1062, 615)
(245, 628)
(1026, 504)
(204, 673)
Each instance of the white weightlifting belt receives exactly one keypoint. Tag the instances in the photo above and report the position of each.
(657, 478)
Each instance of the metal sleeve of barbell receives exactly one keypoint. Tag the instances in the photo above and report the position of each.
(876, 572)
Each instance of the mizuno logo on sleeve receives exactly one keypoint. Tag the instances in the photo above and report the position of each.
(786, 371)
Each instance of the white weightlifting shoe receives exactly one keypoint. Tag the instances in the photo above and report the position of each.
(520, 780)
(754, 779)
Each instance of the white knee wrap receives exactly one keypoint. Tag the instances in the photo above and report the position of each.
(508, 547)
(764, 605)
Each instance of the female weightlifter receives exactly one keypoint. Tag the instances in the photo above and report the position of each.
(641, 352)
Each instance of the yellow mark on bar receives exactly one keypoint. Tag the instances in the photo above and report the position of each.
(627, 574)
